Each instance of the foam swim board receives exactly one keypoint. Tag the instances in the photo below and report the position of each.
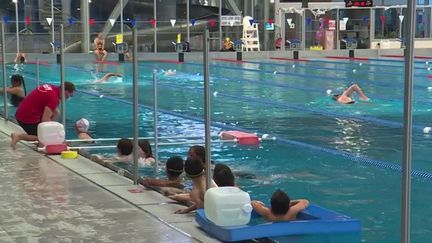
(313, 220)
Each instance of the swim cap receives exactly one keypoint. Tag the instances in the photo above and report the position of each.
(82, 125)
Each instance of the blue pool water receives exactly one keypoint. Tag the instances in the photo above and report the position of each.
(343, 157)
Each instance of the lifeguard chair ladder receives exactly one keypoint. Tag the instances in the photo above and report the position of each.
(250, 35)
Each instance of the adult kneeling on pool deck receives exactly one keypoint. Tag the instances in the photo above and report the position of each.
(39, 106)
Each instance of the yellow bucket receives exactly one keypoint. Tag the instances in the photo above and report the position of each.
(69, 154)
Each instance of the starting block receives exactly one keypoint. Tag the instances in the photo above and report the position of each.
(241, 137)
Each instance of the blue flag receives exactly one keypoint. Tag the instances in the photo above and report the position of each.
(6, 19)
(71, 21)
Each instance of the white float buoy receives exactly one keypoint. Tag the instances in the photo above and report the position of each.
(274, 72)
(101, 96)
(360, 64)
(215, 93)
(354, 71)
(429, 88)
(329, 91)
(265, 136)
(427, 129)
(426, 62)
(293, 66)
(428, 68)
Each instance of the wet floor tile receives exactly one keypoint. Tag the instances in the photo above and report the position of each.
(42, 201)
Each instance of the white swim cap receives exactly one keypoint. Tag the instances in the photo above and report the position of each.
(82, 125)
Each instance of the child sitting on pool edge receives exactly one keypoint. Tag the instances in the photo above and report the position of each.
(282, 208)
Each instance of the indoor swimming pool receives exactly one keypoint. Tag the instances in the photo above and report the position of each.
(345, 158)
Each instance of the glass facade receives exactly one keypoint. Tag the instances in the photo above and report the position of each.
(310, 23)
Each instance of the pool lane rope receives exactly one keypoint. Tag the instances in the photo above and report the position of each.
(332, 114)
(353, 157)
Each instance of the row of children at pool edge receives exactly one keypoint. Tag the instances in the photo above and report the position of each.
(282, 208)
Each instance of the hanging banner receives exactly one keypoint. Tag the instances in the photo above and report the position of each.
(27, 20)
(6, 19)
(132, 22)
(112, 22)
(173, 21)
(49, 20)
(153, 22)
(71, 21)
(332, 24)
(91, 22)
(193, 22)
(401, 17)
(212, 22)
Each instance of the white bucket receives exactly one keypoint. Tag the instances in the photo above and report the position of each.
(51, 133)
(227, 206)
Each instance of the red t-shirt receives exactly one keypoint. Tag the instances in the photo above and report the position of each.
(31, 109)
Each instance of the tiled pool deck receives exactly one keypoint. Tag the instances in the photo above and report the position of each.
(49, 199)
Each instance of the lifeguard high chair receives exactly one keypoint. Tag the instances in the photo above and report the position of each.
(250, 35)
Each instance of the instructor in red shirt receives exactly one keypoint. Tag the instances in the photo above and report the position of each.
(39, 106)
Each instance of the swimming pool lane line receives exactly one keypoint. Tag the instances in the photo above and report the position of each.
(349, 70)
(354, 64)
(376, 82)
(290, 59)
(402, 56)
(361, 71)
(374, 120)
(353, 157)
(270, 83)
(275, 84)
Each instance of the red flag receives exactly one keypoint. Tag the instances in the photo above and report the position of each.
(212, 22)
(27, 20)
(382, 18)
(153, 22)
(91, 22)
(270, 20)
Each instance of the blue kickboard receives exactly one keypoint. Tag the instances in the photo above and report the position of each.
(313, 220)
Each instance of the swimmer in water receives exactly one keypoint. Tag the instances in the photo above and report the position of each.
(346, 96)
(170, 72)
(107, 76)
